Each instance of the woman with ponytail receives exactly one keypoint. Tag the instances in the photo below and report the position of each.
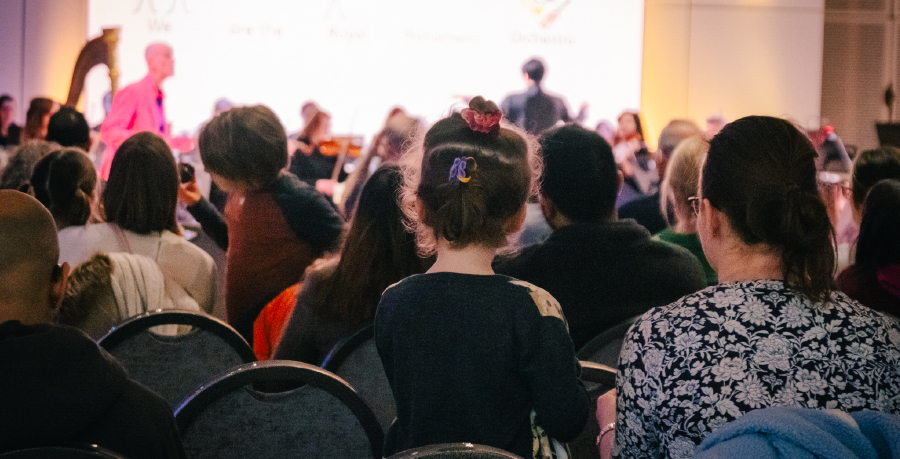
(773, 331)
(64, 183)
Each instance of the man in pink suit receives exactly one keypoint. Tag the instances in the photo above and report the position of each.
(139, 107)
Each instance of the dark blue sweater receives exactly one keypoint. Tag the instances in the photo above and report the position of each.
(469, 357)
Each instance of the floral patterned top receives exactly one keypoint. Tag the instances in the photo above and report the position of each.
(690, 367)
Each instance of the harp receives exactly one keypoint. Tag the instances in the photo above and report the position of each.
(100, 50)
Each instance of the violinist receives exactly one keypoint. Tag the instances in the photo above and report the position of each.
(309, 163)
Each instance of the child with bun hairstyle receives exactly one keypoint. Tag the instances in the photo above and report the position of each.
(472, 356)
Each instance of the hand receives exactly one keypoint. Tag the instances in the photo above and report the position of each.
(189, 193)
(325, 186)
(606, 414)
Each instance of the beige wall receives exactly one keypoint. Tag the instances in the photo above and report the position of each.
(53, 32)
(732, 58)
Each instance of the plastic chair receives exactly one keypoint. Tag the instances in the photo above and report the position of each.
(598, 379)
(356, 360)
(324, 417)
(63, 452)
(455, 451)
(175, 366)
(604, 348)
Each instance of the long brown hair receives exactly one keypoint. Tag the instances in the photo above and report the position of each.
(377, 252)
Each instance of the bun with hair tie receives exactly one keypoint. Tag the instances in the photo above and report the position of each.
(482, 115)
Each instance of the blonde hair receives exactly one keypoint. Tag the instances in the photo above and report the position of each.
(683, 172)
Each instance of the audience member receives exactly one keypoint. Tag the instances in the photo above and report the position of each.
(274, 226)
(679, 188)
(141, 107)
(10, 132)
(874, 278)
(472, 356)
(68, 128)
(647, 210)
(64, 183)
(602, 270)
(714, 124)
(57, 386)
(139, 207)
(18, 172)
(534, 110)
(339, 296)
(870, 167)
(773, 332)
(113, 287)
(37, 118)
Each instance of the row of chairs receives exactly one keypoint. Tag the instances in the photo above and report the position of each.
(221, 396)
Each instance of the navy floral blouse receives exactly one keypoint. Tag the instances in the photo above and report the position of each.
(690, 367)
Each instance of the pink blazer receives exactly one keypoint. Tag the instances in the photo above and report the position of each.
(134, 109)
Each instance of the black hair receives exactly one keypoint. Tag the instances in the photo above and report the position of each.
(68, 128)
(871, 167)
(500, 168)
(760, 172)
(534, 68)
(142, 190)
(878, 244)
(4, 98)
(580, 174)
(64, 183)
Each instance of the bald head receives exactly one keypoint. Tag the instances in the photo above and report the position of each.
(29, 251)
(160, 61)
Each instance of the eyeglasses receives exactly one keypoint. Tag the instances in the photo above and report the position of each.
(695, 201)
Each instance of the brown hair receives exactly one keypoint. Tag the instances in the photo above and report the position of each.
(377, 252)
(761, 173)
(502, 170)
(64, 182)
(246, 145)
(34, 118)
(142, 190)
(872, 166)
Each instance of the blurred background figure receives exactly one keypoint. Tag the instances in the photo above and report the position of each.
(714, 124)
(9, 131)
(38, 118)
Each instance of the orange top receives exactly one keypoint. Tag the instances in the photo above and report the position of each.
(270, 323)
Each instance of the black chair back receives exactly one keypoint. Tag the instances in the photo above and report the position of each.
(175, 366)
(356, 361)
(604, 348)
(323, 417)
(63, 452)
(455, 451)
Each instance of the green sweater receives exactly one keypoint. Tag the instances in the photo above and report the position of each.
(692, 243)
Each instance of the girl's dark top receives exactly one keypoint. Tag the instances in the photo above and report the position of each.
(468, 358)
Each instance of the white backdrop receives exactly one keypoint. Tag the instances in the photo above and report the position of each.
(359, 58)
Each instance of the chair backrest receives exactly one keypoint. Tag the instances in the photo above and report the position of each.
(597, 379)
(356, 361)
(455, 451)
(604, 348)
(324, 417)
(63, 452)
(175, 366)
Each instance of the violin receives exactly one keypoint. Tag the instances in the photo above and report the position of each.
(350, 146)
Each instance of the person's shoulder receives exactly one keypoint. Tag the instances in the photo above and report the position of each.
(544, 302)
(186, 248)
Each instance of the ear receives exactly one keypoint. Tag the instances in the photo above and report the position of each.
(620, 177)
(715, 220)
(58, 285)
(515, 224)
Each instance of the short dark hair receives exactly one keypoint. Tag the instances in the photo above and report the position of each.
(761, 173)
(247, 145)
(64, 183)
(142, 190)
(871, 167)
(476, 212)
(68, 128)
(580, 174)
(878, 244)
(534, 68)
